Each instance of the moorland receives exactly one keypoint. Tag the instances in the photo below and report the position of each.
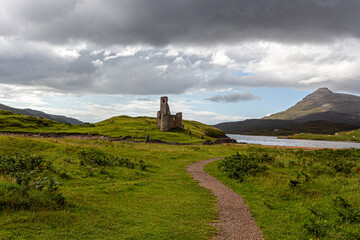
(64, 188)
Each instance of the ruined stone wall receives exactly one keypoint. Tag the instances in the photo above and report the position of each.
(178, 120)
(166, 121)
(159, 119)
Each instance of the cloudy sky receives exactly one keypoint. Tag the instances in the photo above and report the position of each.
(216, 60)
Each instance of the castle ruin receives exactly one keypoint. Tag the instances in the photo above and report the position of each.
(166, 121)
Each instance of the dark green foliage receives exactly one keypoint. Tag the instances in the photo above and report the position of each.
(31, 183)
(240, 166)
(94, 158)
(24, 169)
(319, 181)
(321, 223)
(331, 161)
(316, 227)
(293, 183)
(346, 212)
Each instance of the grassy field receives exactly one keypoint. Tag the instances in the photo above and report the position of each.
(120, 126)
(111, 190)
(353, 136)
(97, 189)
(297, 194)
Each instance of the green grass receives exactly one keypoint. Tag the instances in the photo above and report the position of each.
(298, 196)
(120, 126)
(110, 201)
(353, 136)
(123, 190)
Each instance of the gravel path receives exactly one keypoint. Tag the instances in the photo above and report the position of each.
(236, 221)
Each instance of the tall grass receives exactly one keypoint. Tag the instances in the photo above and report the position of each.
(113, 190)
(29, 182)
(302, 194)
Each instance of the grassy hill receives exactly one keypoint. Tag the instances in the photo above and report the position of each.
(121, 126)
(16, 122)
(36, 113)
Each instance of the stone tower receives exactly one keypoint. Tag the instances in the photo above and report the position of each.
(166, 121)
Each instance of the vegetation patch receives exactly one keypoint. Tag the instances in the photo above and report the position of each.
(301, 195)
(240, 166)
(29, 183)
(116, 127)
(122, 190)
(351, 136)
(96, 158)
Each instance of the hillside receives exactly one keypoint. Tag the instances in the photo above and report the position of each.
(123, 126)
(322, 112)
(35, 113)
(118, 127)
(324, 104)
(250, 126)
(269, 127)
(10, 121)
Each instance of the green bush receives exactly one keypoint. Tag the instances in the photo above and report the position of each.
(240, 166)
(30, 182)
(97, 158)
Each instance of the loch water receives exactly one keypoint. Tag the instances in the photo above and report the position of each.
(266, 140)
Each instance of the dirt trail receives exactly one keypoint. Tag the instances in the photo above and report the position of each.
(236, 221)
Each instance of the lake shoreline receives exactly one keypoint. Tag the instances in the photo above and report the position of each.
(292, 143)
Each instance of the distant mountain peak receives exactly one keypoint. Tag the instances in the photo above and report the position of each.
(323, 90)
(319, 93)
(320, 101)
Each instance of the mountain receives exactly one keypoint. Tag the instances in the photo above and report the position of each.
(250, 125)
(324, 104)
(35, 113)
(322, 111)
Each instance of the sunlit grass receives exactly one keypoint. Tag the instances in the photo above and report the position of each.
(119, 127)
(353, 136)
(162, 202)
(286, 211)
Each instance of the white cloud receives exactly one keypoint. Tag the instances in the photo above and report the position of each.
(25, 95)
(220, 58)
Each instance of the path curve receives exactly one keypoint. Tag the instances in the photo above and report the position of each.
(236, 221)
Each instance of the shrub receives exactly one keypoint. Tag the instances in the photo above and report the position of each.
(334, 161)
(31, 183)
(241, 165)
(97, 158)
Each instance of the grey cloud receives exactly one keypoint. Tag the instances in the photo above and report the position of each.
(38, 68)
(160, 22)
(143, 99)
(150, 72)
(121, 75)
(234, 97)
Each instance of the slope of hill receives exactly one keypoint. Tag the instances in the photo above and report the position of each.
(118, 127)
(35, 113)
(269, 127)
(250, 126)
(122, 126)
(323, 104)
(10, 121)
(322, 112)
